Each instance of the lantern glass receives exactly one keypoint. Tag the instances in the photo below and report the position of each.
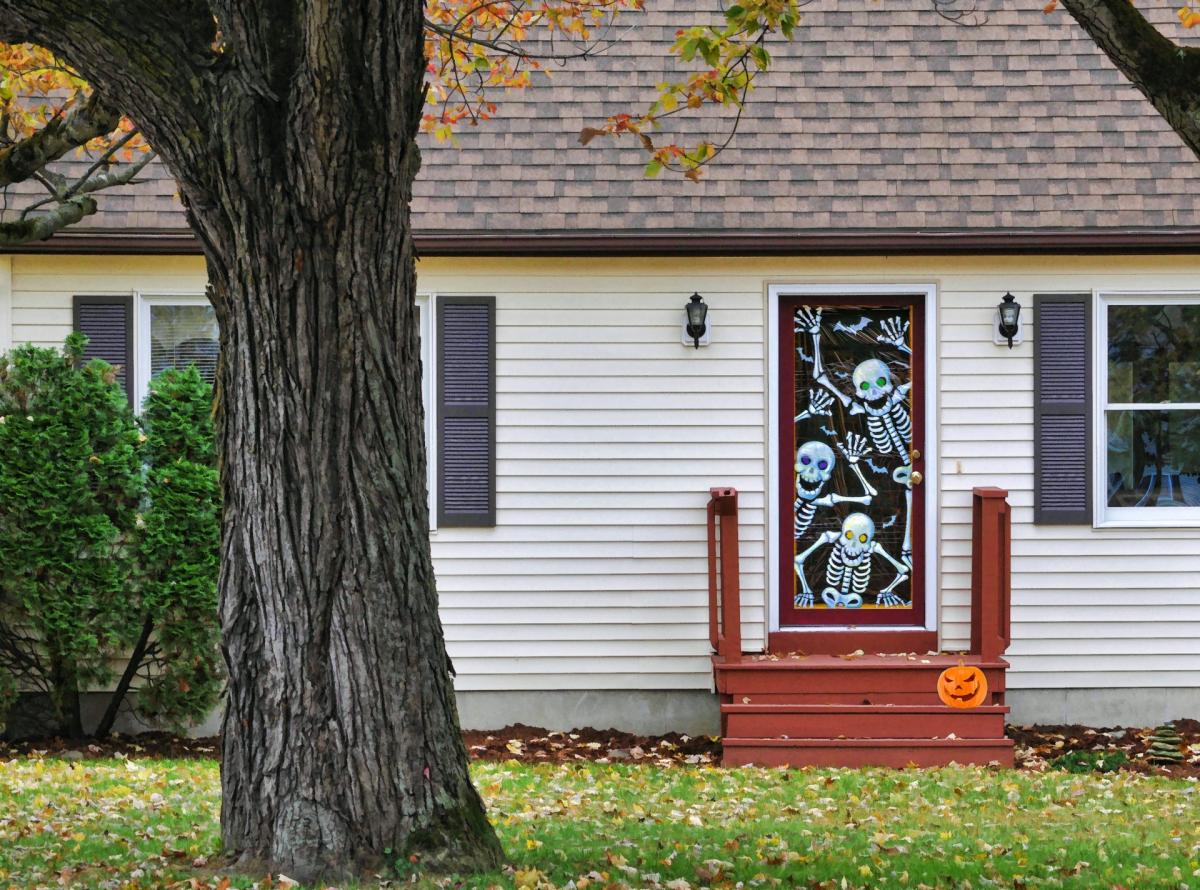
(697, 311)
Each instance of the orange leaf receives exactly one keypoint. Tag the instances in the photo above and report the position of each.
(1050, 7)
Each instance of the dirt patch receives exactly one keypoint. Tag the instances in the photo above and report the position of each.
(1037, 747)
(144, 744)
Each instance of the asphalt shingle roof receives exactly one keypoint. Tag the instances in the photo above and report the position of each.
(879, 116)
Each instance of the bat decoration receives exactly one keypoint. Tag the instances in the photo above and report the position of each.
(853, 328)
(874, 469)
(827, 431)
(891, 521)
(804, 358)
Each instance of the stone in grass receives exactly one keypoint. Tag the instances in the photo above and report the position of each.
(1166, 745)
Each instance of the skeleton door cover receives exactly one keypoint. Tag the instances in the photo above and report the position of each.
(850, 448)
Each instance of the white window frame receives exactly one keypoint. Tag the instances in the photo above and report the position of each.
(428, 392)
(141, 361)
(1127, 517)
(141, 332)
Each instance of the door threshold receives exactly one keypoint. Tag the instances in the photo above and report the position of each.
(845, 641)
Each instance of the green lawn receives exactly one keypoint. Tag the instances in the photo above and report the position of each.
(120, 824)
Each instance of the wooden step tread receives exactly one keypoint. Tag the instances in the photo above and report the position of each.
(854, 753)
(836, 708)
(866, 743)
(856, 662)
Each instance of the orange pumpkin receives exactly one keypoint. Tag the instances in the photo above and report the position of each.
(962, 687)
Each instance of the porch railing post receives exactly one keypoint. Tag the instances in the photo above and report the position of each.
(725, 630)
(991, 572)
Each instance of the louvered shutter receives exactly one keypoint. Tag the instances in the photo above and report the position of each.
(108, 323)
(1062, 409)
(466, 441)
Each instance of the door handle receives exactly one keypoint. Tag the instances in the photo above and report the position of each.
(916, 478)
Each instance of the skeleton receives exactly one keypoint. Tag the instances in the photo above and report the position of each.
(874, 393)
(895, 331)
(848, 573)
(903, 476)
(814, 467)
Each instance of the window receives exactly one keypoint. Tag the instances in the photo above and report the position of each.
(1148, 432)
(174, 332)
(425, 329)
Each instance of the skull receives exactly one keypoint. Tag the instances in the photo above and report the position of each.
(858, 534)
(873, 386)
(814, 466)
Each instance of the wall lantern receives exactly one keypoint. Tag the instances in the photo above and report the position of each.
(1008, 322)
(696, 328)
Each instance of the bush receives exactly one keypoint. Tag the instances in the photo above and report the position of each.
(179, 547)
(114, 540)
(70, 482)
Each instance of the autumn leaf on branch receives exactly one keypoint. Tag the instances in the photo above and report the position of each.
(733, 54)
(477, 48)
(48, 111)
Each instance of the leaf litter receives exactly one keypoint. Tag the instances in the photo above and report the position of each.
(655, 821)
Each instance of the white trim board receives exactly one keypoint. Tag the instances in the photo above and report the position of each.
(932, 508)
(1127, 517)
(6, 291)
(142, 301)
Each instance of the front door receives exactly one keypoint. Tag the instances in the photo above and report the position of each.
(851, 423)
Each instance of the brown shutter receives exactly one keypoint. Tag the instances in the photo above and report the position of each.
(108, 323)
(1062, 409)
(466, 394)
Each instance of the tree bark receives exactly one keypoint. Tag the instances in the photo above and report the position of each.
(1163, 71)
(293, 142)
(341, 732)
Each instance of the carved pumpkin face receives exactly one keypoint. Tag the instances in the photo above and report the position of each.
(962, 687)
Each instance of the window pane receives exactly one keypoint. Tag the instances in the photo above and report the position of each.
(1154, 353)
(1153, 458)
(181, 336)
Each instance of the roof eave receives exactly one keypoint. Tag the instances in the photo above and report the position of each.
(690, 242)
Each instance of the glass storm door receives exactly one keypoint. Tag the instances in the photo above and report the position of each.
(851, 422)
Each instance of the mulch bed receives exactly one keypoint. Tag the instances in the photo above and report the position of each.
(1037, 747)
(531, 744)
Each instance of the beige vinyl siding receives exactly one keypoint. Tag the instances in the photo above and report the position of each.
(43, 287)
(610, 432)
(1092, 608)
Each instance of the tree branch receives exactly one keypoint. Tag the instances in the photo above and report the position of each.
(71, 209)
(1166, 73)
(147, 57)
(42, 226)
(79, 126)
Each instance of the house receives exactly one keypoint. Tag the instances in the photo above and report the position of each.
(892, 179)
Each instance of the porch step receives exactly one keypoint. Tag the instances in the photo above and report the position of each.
(857, 710)
(867, 679)
(866, 752)
(842, 722)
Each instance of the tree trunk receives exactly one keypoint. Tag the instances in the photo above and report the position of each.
(342, 748)
(341, 735)
(290, 127)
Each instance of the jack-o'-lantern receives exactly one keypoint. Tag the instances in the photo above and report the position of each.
(962, 686)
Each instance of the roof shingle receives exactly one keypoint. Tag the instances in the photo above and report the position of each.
(879, 115)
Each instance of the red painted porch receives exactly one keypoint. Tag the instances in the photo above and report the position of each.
(804, 703)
